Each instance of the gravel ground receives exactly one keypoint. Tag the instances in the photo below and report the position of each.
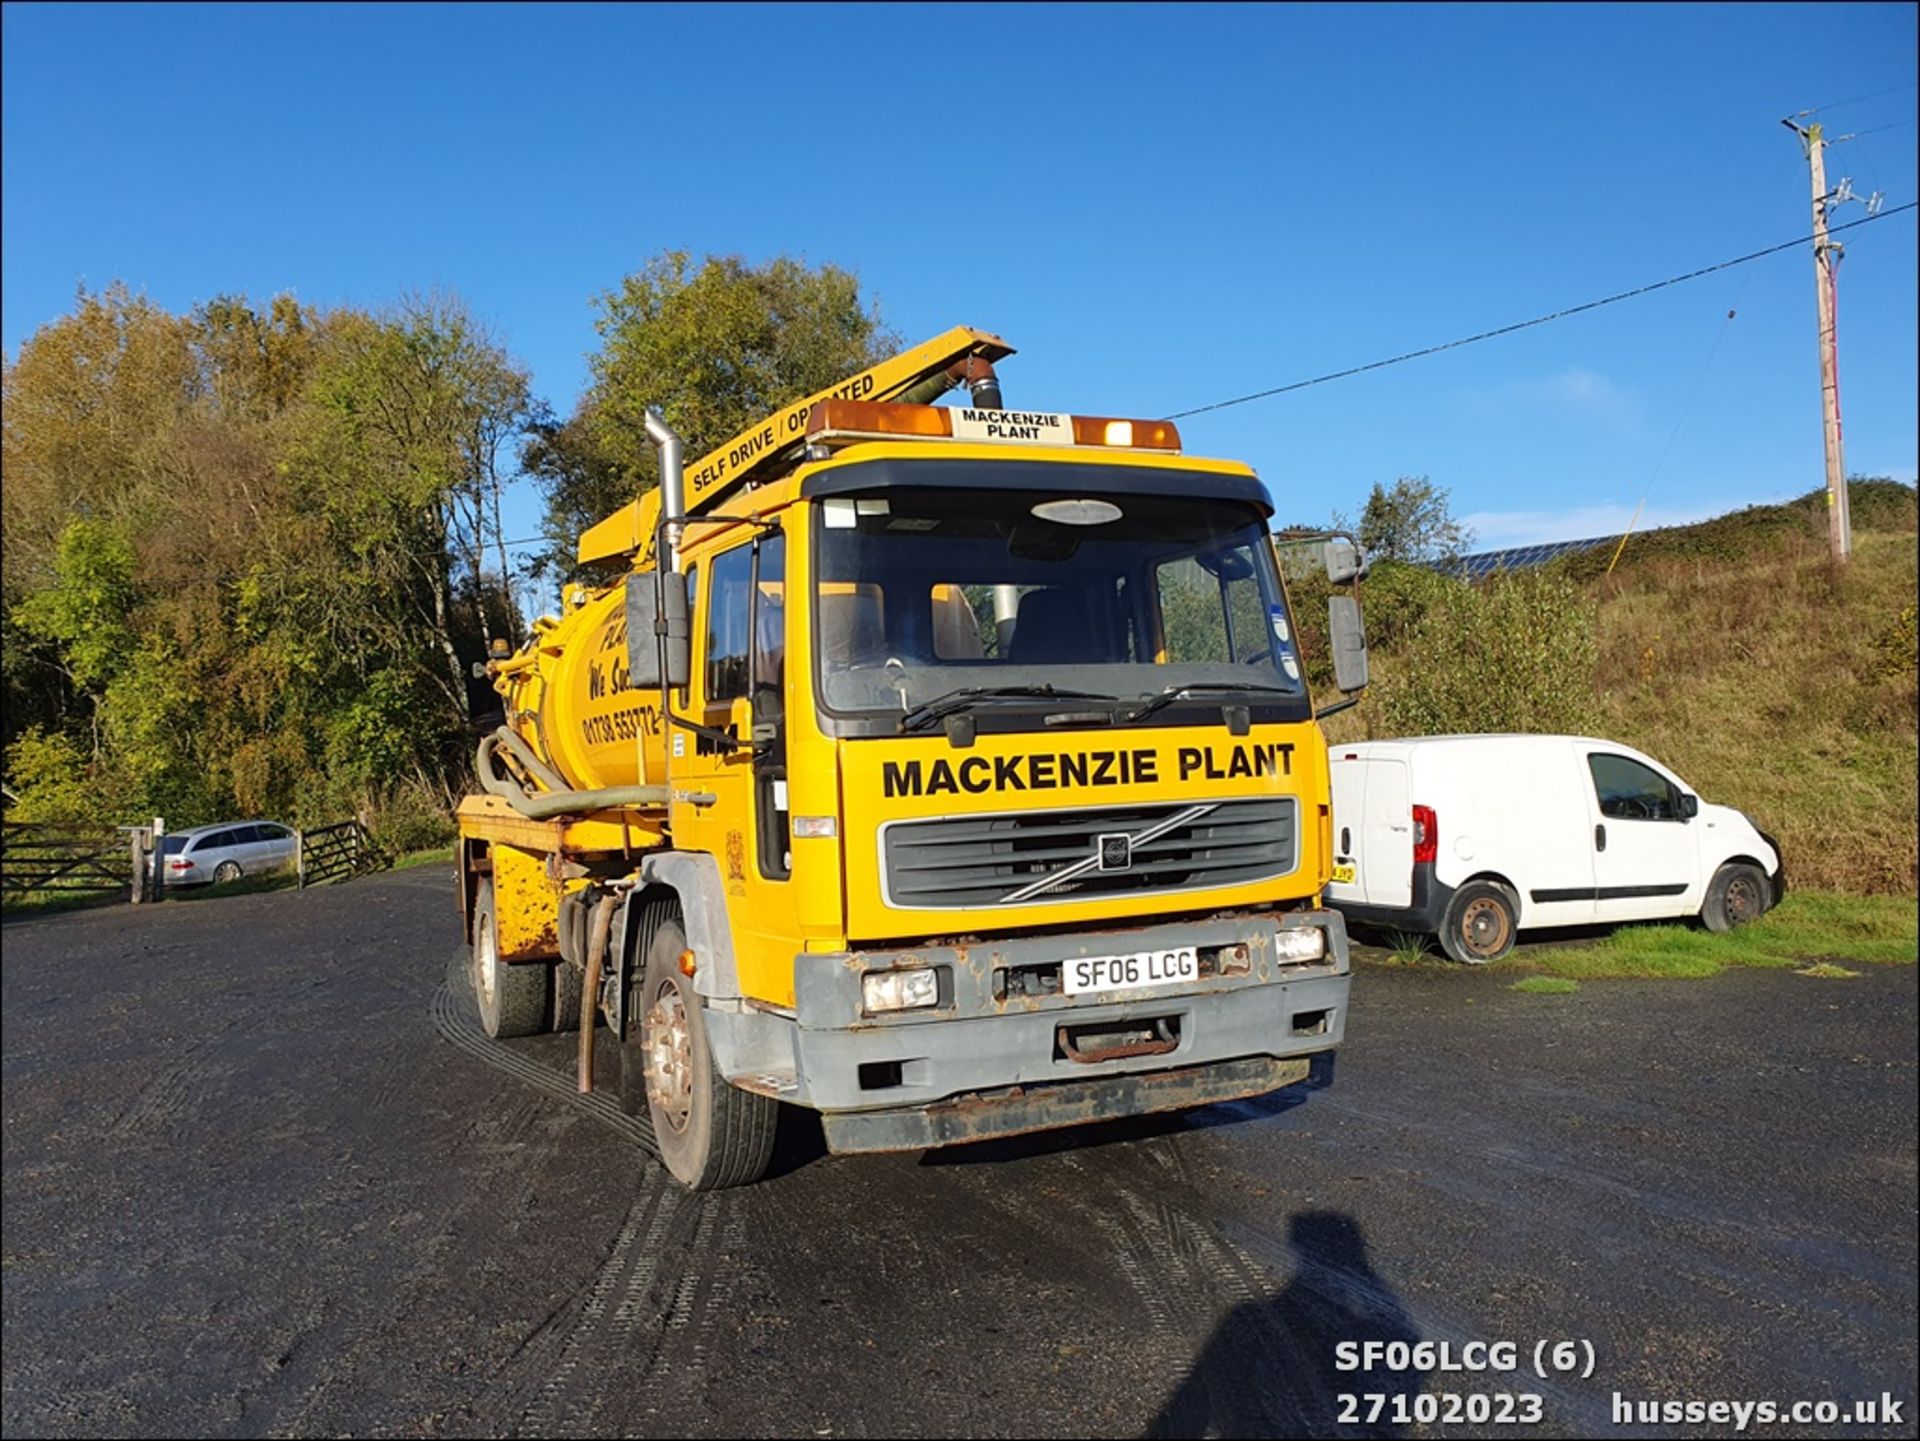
(262, 1178)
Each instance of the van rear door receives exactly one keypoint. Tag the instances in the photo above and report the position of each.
(1372, 829)
(1386, 842)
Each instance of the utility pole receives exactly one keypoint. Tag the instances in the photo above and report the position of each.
(1826, 268)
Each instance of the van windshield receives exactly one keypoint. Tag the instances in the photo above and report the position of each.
(929, 592)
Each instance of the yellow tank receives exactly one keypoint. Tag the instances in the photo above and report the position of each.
(567, 696)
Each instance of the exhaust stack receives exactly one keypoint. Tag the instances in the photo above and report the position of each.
(673, 482)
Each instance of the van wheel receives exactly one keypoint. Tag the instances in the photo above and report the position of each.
(1480, 923)
(1737, 894)
(710, 1135)
(512, 999)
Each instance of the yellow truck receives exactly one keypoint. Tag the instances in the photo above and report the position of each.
(948, 770)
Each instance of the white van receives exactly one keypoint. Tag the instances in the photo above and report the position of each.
(1473, 838)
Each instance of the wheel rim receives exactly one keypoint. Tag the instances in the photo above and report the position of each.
(226, 871)
(1743, 899)
(669, 1058)
(1484, 927)
(483, 977)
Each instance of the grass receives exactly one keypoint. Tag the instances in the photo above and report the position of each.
(23, 906)
(440, 855)
(1810, 933)
(1546, 985)
(1774, 685)
(1409, 947)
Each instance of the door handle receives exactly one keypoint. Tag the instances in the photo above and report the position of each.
(1346, 840)
(1599, 838)
(700, 798)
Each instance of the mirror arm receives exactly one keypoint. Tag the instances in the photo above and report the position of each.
(1326, 710)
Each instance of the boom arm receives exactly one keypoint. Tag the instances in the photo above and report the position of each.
(919, 374)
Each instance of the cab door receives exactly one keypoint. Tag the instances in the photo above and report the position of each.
(1645, 859)
(731, 802)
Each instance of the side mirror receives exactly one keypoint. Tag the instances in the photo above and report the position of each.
(650, 598)
(1343, 561)
(1689, 806)
(1349, 642)
(479, 670)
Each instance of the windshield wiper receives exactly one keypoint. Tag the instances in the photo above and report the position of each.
(1180, 692)
(955, 700)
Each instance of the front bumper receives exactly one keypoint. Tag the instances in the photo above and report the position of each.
(990, 1060)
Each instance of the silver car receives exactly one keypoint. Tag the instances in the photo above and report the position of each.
(226, 852)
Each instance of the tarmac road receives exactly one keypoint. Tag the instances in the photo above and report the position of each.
(260, 1177)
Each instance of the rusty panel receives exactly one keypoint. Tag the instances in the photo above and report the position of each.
(526, 905)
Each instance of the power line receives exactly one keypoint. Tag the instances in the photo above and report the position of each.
(1856, 99)
(1874, 130)
(1537, 320)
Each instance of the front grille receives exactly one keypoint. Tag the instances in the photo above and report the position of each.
(975, 862)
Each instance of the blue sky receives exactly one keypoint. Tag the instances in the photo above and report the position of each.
(1158, 206)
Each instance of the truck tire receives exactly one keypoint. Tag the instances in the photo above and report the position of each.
(512, 999)
(1480, 923)
(709, 1134)
(563, 1012)
(1737, 894)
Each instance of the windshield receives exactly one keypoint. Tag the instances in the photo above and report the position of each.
(929, 592)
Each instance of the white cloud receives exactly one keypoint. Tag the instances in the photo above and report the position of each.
(1577, 392)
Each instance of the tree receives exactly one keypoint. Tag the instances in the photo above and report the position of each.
(1410, 521)
(249, 553)
(715, 345)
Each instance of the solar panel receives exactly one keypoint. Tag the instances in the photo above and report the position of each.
(1520, 557)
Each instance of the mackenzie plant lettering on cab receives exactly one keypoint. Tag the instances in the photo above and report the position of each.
(1066, 770)
(947, 770)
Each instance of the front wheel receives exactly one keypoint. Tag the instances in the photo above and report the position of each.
(1480, 923)
(1736, 895)
(710, 1134)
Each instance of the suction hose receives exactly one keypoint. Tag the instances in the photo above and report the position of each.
(558, 799)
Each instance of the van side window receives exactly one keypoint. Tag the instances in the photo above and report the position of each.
(1629, 791)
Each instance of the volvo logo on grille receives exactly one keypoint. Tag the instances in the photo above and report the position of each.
(1116, 852)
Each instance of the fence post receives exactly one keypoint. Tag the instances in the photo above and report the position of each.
(140, 840)
(156, 877)
(300, 860)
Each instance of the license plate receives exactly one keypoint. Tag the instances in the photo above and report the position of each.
(1129, 973)
(1343, 875)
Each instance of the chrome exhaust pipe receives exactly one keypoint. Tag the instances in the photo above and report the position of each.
(673, 481)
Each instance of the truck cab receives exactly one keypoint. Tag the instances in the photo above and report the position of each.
(993, 797)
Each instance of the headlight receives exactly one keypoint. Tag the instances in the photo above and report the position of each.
(1308, 943)
(901, 990)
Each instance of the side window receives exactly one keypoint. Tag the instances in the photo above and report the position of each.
(1630, 791)
(770, 625)
(245, 835)
(728, 614)
(693, 609)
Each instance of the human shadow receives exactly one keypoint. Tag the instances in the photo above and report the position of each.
(1274, 1367)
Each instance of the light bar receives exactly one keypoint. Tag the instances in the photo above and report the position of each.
(842, 422)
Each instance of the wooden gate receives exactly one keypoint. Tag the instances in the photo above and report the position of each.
(62, 860)
(338, 853)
